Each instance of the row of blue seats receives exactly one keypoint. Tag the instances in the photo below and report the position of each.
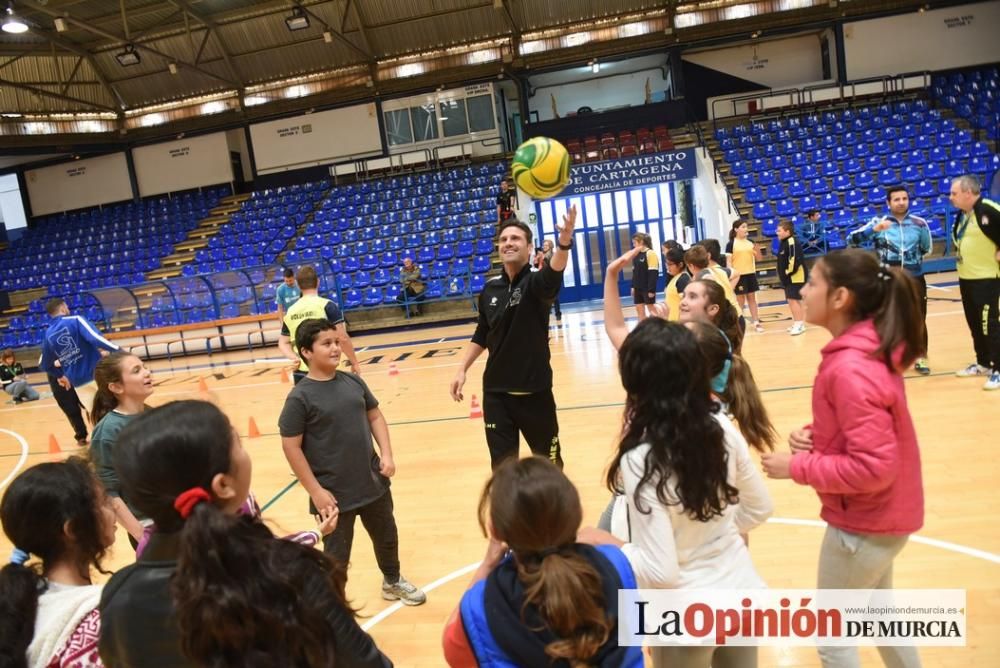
(975, 99)
(392, 258)
(853, 133)
(862, 187)
(36, 321)
(764, 172)
(902, 151)
(964, 148)
(830, 202)
(411, 195)
(887, 109)
(347, 229)
(395, 206)
(484, 170)
(377, 243)
(847, 220)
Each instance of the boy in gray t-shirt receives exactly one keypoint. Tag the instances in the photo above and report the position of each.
(327, 427)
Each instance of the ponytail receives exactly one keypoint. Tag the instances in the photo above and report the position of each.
(747, 407)
(532, 506)
(899, 322)
(104, 402)
(888, 295)
(19, 589)
(739, 390)
(727, 319)
(107, 371)
(568, 593)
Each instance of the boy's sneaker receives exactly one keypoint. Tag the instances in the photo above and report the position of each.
(972, 370)
(797, 329)
(759, 328)
(921, 367)
(404, 592)
(993, 383)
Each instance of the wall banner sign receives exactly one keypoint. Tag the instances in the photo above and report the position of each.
(631, 172)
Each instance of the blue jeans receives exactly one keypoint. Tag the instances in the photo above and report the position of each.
(21, 391)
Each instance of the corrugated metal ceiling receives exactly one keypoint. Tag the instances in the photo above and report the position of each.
(248, 42)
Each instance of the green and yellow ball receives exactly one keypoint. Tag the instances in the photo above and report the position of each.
(540, 167)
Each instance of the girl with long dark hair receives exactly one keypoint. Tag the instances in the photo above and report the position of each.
(690, 485)
(215, 587)
(61, 524)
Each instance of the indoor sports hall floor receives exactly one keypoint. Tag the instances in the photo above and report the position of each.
(442, 463)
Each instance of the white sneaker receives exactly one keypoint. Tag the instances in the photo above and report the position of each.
(797, 329)
(972, 370)
(993, 383)
(759, 328)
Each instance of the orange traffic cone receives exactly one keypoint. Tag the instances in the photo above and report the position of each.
(393, 369)
(252, 430)
(55, 452)
(202, 386)
(284, 375)
(475, 410)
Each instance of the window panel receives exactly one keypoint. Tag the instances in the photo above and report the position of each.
(453, 121)
(481, 116)
(397, 127)
(424, 122)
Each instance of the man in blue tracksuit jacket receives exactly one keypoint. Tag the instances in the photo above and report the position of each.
(901, 239)
(71, 349)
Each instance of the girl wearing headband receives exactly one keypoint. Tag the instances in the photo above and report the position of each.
(213, 586)
(860, 453)
(61, 522)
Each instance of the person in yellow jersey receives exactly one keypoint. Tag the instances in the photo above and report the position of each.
(743, 255)
(310, 305)
(673, 257)
(976, 236)
(699, 262)
(645, 273)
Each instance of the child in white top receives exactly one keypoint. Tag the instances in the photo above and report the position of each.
(690, 485)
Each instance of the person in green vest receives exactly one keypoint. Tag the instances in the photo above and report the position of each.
(310, 305)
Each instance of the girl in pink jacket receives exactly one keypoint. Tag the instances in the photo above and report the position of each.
(860, 454)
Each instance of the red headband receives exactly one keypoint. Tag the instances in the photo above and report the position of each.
(186, 501)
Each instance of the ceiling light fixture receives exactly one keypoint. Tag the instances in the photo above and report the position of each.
(327, 36)
(297, 20)
(128, 57)
(13, 24)
(61, 24)
(172, 67)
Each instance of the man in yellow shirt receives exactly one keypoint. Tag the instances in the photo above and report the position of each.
(310, 305)
(976, 236)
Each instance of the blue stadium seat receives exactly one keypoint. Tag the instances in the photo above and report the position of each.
(352, 298)
(785, 207)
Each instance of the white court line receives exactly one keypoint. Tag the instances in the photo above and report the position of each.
(933, 542)
(20, 462)
(429, 588)
(944, 545)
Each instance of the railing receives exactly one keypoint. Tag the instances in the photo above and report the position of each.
(188, 300)
(822, 93)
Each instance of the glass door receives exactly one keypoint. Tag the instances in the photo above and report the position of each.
(604, 229)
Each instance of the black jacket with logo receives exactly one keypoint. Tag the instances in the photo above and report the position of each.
(514, 327)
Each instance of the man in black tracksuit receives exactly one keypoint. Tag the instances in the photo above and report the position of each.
(514, 327)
